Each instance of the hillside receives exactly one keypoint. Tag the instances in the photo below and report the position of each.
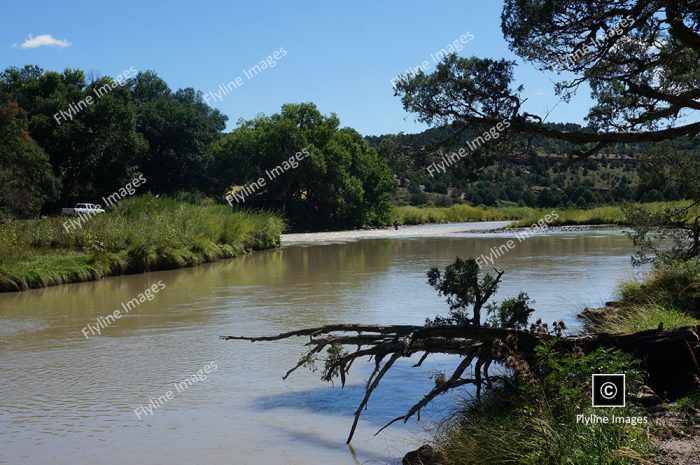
(538, 178)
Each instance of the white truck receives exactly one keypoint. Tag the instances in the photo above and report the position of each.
(83, 208)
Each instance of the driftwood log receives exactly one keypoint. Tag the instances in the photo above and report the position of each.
(670, 357)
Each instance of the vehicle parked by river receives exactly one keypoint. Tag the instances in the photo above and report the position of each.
(85, 208)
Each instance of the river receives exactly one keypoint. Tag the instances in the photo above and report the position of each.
(69, 400)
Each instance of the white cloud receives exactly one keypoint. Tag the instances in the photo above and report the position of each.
(541, 93)
(44, 40)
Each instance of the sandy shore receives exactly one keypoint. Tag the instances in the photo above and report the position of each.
(424, 230)
(495, 228)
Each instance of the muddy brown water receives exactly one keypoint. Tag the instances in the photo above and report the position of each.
(65, 399)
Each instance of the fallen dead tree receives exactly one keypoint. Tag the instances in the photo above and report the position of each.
(670, 357)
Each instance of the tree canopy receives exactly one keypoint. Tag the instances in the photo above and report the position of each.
(641, 59)
(342, 182)
(26, 178)
(71, 138)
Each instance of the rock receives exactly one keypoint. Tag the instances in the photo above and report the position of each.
(597, 315)
(425, 455)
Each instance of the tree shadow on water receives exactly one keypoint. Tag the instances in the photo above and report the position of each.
(395, 395)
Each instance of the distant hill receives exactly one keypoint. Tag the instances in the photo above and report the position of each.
(538, 179)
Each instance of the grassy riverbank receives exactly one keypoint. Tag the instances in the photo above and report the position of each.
(669, 296)
(530, 416)
(523, 216)
(140, 234)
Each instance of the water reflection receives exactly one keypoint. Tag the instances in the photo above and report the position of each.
(67, 400)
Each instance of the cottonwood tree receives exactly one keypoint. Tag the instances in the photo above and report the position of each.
(461, 286)
(92, 152)
(26, 178)
(342, 183)
(180, 129)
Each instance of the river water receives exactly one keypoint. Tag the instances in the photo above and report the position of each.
(69, 400)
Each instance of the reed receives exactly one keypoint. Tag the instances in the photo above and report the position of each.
(140, 234)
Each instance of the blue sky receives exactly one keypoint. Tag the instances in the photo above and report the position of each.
(340, 55)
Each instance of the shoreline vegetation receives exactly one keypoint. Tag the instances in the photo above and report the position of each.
(534, 414)
(524, 216)
(147, 233)
(140, 234)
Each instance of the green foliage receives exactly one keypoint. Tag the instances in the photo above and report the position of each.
(666, 235)
(687, 407)
(457, 214)
(669, 296)
(531, 419)
(673, 232)
(139, 126)
(461, 285)
(598, 215)
(566, 378)
(644, 317)
(673, 284)
(511, 313)
(467, 295)
(141, 233)
(179, 128)
(638, 96)
(522, 216)
(93, 153)
(341, 183)
(623, 173)
(26, 178)
(174, 139)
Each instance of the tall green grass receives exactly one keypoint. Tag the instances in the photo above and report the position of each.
(531, 418)
(610, 214)
(647, 317)
(140, 234)
(458, 213)
(522, 216)
(669, 296)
